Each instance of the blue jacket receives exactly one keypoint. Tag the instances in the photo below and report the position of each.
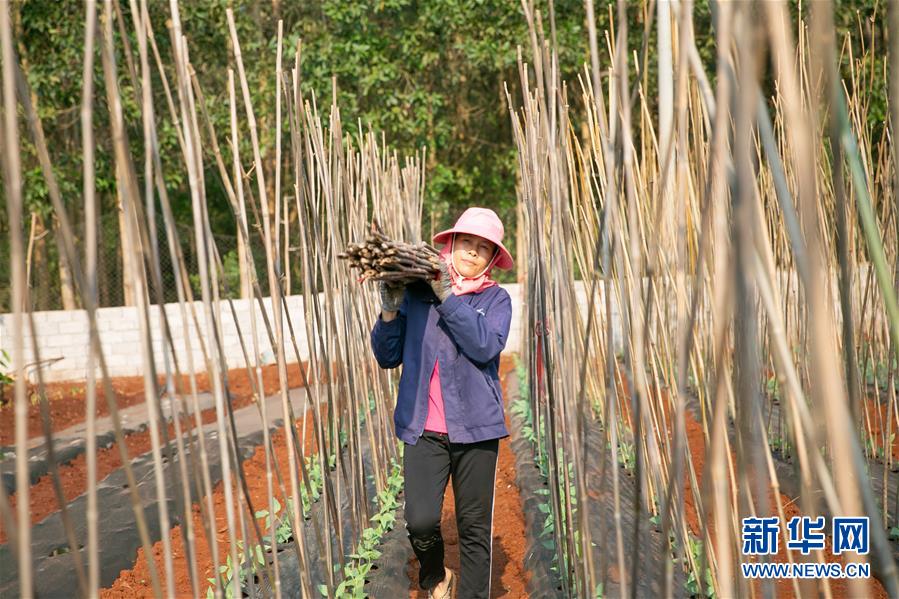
(467, 333)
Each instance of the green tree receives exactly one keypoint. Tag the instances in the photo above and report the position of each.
(427, 74)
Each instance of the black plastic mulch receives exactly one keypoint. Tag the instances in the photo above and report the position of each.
(288, 565)
(538, 558)
(387, 578)
(649, 552)
(789, 475)
(54, 567)
(645, 558)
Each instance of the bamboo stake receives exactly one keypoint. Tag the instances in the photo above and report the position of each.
(274, 288)
(128, 193)
(74, 267)
(90, 219)
(12, 179)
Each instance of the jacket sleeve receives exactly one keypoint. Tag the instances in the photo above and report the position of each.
(388, 338)
(480, 336)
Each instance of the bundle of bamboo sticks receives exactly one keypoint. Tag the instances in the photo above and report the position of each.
(382, 259)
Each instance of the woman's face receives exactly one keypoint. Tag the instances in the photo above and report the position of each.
(472, 254)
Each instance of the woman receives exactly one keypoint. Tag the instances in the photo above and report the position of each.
(449, 413)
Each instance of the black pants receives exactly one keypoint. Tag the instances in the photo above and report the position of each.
(427, 466)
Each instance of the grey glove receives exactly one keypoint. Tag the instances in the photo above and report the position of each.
(391, 295)
(442, 285)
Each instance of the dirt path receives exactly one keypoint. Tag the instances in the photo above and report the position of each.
(66, 402)
(508, 576)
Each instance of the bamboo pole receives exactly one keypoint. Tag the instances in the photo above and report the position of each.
(274, 289)
(128, 193)
(682, 335)
(13, 190)
(90, 241)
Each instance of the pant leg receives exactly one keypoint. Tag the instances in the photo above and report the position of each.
(426, 468)
(474, 479)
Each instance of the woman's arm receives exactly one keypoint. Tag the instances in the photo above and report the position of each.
(480, 336)
(388, 337)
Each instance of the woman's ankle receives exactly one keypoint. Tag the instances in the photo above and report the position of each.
(446, 579)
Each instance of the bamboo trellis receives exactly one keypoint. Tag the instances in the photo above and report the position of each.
(731, 252)
(737, 258)
(328, 185)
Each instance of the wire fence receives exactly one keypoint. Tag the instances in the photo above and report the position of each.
(51, 289)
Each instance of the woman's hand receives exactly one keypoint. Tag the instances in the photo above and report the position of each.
(391, 297)
(442, 285)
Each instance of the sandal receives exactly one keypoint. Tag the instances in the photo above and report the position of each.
(448, 593)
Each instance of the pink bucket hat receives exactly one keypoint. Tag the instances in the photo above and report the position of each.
(482, 222)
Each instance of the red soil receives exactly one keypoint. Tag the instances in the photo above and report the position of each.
(73, 475)
(66, 403)
(882, 425)
(838, 587)
(135, 582)
(66, 398)
(696, 445)
(508, 576)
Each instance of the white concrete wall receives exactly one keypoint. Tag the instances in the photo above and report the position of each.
(63, 335)
(582, 296)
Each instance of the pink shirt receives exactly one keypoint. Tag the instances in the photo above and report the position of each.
(436, 421)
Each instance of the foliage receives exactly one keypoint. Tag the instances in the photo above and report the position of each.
(878, 374)
(283, 531)
(522, 408)
(772, 387)
(229, 574)
(315, 482)
(874, 448)
(627, 454)
(692, 584)
(231, 274)
(362, 559)
(781, 446)
(5, 376)
(251, 562)
(427, 74)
